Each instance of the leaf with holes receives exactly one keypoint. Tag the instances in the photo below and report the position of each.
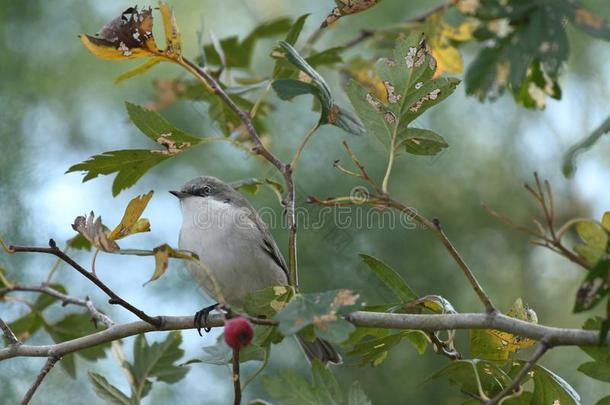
(409, 91)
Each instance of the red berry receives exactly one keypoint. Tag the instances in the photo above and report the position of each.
(238, 332)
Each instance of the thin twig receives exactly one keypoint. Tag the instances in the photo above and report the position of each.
(10, 335)
(236, 380)
(45, 289)
(515, 386)
(489, 307)
(114, 298)
(306, 138)
(43, 373)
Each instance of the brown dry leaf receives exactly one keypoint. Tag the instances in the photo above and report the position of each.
(94, 231)
(347, 7)
(131, 222)
(162, 255)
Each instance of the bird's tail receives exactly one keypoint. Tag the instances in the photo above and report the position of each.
(320, 349)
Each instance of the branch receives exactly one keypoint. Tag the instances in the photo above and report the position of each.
(259, 148)
(236, 381)
(114, 298)
(10, 335)
(554, 336)
(43, 373)
(515, 386)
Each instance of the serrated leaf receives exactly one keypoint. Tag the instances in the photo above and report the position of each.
(549, 388)
(410, 90)
(106, 391)
(323, 311)
(390, 278)
(25, 326)
(313, 83)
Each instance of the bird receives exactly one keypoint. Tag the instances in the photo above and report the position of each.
(224, 230)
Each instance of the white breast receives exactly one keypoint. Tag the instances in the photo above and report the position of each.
(228, 242)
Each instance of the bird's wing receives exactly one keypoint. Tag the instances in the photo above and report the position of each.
(269, 245)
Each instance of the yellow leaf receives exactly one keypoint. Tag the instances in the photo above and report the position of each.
(172, 34)
(512, 343)
(162, 254)
(131, 222)
(448, 60)
(138, 70)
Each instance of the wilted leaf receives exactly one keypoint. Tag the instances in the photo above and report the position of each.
(311, 82)
(496, 345)
(390, 278)
(322, 310)
(173, 42)
(106, 391)
(161, 261)
(594, 287)
(410, 90)
(95, 232)
(131, 222)
(347, 7)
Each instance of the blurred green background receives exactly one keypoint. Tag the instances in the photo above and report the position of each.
(58, 106)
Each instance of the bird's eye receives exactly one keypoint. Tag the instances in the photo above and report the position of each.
(206, 190)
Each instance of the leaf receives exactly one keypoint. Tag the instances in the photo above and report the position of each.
(239, 53)
(131, 165)
(595, 240)
(323, 311)
(569, 159)
(550, 388)
(477, 377)
(138, 70)
(295, 29)
(409, 91)
(106, 391)
(79, 242)
(421, 141)
(311, 82)
(92, 229)
(496, 345)
(594, 287)
(606, 221)
(173, 42)
(162, 254)
(597, 370)
(347, 7)
(390, 278)
(157, 360)
(220, 354)
(604, 401)
(251, 186)
(128, 36)
(131, 222)
(268, 301)
(375, 351)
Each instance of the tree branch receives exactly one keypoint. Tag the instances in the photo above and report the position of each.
(236, 379)
(554, 336)
(10, 335)
(514, 387)
(43, 373)
(114, 298)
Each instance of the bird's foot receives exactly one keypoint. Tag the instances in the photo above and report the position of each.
(201, 318)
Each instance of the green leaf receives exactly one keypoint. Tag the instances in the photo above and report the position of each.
(130, 165)
(409, 91)
(295, 30)
(594, 288)
(477, 377)
(375, 351)
(79, 242)
(322, 310)
(106, 391)
(157, 361)
(138, 70)
(238, 54)
(289, 88)
(597, 370)
(421, 141)
(390, 278)
(73, 326)
(595, 240)
(569, 159)
(220, 354)
(549, 388)
(603, 401)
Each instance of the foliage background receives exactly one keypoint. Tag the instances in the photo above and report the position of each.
(58, 106)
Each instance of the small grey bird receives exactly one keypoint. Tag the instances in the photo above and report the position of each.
(225, 231)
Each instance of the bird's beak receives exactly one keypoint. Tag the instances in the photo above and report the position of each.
(178, 194)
